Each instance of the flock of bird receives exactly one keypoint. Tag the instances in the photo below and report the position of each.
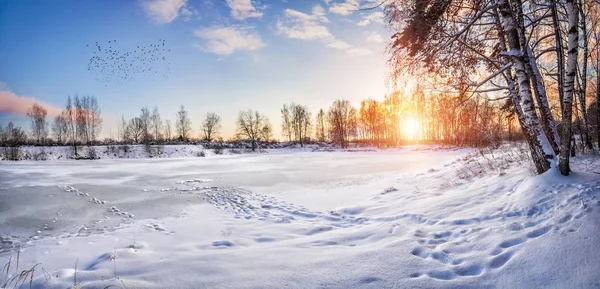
(109, 65)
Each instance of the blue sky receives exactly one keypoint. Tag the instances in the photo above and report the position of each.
(225, 56)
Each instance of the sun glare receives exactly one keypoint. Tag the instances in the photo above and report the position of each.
(411, 126)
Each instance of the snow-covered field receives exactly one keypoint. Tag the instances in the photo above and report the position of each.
(400, 218)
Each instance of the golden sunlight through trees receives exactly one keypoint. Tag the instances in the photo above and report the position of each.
(411, 127)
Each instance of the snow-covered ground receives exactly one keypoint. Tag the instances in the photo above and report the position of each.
(400, 218)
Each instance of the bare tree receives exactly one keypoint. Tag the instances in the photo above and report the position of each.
(320, 126)
(60, 128)
(183, 125)
(136, 130)
(210, 126)
(3, 135)
(339, 121)
(253, 126)
(124, 133)
(168, 130)
(88, 122)
(12, 136)
(301, 122)
(157, 124)
(39, 127)
(146, 125)
(286, 122)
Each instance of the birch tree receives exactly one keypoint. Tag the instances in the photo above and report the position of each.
(473, 47)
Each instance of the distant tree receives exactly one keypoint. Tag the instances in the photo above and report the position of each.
(339, 121)
(286, 122)
(3, 135)
(301, 122)
(352, 123)
(94, 120)
(70, 122)
(157, 125)
(14, 136)
(296, 122)
(320, 126)
(146, 124)
(183, 125)
(253, 126)
(88, 122)
(210, 126)
(39, 127)
(136, 130)
(168, 130)
(60, 128)
(124, 133)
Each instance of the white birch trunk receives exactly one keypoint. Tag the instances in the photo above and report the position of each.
(571, 73)
(541, 149)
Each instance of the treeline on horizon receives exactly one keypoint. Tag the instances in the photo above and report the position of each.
(477, 121)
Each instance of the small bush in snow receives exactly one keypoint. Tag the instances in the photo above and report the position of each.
(235, 151)
(218, 151)
(11, 153)
(200, 154)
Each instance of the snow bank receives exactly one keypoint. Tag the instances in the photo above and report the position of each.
(109, 152)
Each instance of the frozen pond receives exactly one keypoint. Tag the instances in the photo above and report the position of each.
(40, 199)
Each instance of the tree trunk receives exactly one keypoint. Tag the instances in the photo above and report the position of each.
(548, 122)
(570, 75)
(585, 136)
(560, 62)
(541, 151)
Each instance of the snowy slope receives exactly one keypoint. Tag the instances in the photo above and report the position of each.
(384, 219)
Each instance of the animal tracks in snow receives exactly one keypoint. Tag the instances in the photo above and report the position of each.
(458, 250)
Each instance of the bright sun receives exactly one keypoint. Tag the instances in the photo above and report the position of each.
(411, 127)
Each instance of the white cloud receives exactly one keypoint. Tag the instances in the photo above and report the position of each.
(344, 8)
(338, 44)
(319, 11)
(375, 17)
(225, 40)
(189, 13)
(374, 37)
(163, 11)
(299, 25)
(243, 9)
(359, 51)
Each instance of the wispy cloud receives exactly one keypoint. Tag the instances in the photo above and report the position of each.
(12, 103)
(298, 25)
(225, 40)
(375, 17)
(375, 37)
(243, 9)
(163, 11)
(189, 13)
(344, 8)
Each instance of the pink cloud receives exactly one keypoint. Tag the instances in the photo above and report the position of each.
(12, 103)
